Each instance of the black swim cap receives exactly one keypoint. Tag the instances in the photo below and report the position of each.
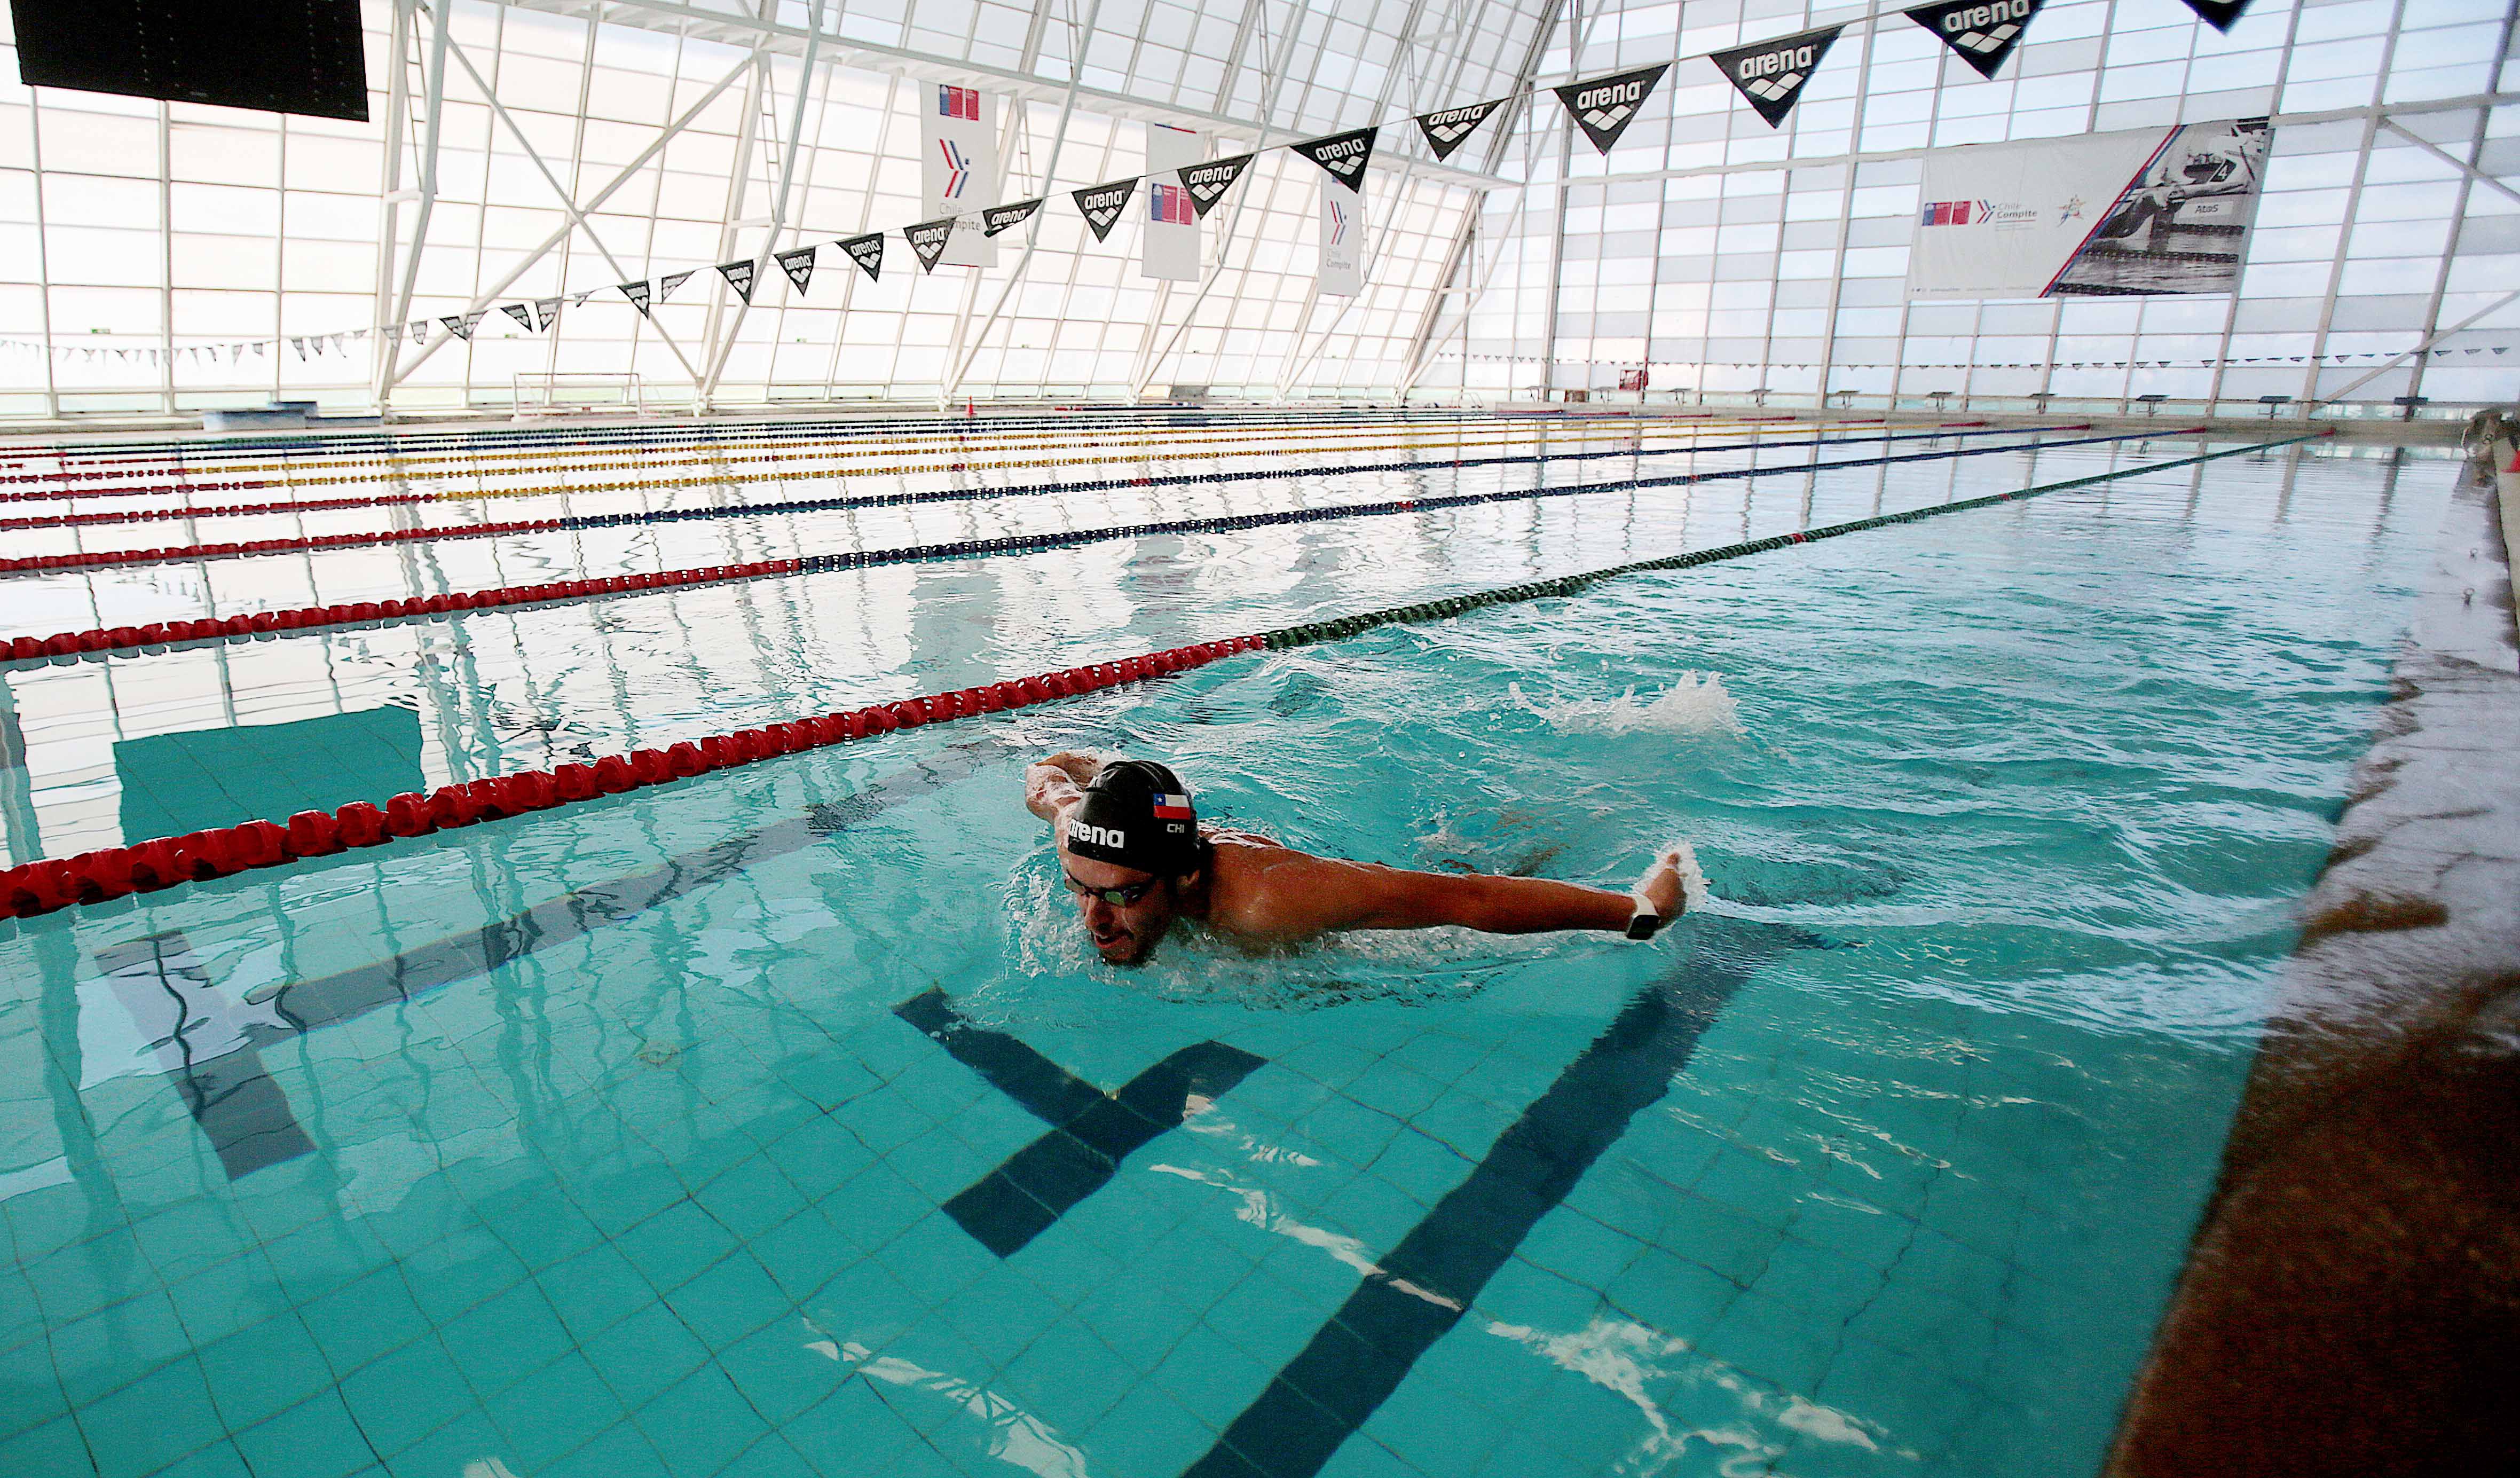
(1135, 814)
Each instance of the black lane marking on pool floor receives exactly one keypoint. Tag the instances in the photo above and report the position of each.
(1091, 1131)
(242, 1111)
(221, 1088)
(1424, 1285)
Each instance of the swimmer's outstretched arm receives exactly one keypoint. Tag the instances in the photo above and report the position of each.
(1058, 782)
(1317, 895)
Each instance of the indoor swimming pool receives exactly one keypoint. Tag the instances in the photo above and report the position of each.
(780, 1120)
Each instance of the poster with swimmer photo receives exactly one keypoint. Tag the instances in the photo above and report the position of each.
(2149, 210)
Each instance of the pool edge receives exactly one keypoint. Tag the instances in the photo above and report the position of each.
(2354, 1285)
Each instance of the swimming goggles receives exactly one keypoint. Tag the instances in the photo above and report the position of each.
(1119, 898)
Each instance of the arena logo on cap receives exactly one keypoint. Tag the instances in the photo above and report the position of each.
(1087, 834)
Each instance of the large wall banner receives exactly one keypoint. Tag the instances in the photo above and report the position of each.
(1342, 221)
(960, 170)
(1169, 250)
(2150, 210)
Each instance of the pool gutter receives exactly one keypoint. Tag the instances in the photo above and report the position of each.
(2352, 1302)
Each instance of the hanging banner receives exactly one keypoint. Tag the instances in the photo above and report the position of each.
(1605, 107)
(2218, 14)
(547, 310)
(1101, 204)
(959, 169)
(799, 267)
(1448, 130)
(461, 328)
(1771, 74)
(1168, 249)
(666, 284)
(998, 218)
(1209, 182)
(929, 241)
(524, 315)
(867, 252)
(1343, 154)
(1983, 31)
(640, 296)
(1342, 223)
(419, 331)
(2148, 210)
(738, 276)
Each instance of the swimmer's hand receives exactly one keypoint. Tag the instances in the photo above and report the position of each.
(1055, 784)
(1671, 886)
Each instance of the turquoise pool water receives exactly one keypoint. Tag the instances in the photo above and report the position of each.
(778, 1123)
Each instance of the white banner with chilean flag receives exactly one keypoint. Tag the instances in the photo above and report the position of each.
(1169, 247)
(960, 168)
(2144, 211)
(1342, 221)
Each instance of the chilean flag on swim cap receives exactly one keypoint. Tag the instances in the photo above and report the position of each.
(1172, 807)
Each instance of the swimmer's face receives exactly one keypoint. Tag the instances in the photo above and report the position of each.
(1123, 934)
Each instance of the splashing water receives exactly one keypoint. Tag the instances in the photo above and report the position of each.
(1695, 702)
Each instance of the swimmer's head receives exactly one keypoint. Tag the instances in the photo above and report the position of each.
(1131, 853)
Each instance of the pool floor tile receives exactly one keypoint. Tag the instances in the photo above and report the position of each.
(701, 1424)
(314, 1439)
(851, 1431)
(552, 1413)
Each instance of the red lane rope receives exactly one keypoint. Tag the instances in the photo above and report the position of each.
(40, 887)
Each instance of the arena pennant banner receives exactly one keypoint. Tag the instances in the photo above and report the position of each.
(798, 265)
(1450, 128)
(866, 252)
(959, 168)
(1983, 32)
(461, 328)
(1101, 204)
(1605, 107)
(738, 276)
(546, 313)
(1168, 249)
(2218, 14)
(524, 316)
(640, 296)
(666, 284)
(928, 240)
(2145, 211)
(1209, 182)
(1771, 74)
(1342, 227)
(1343, 154)
(998, 218)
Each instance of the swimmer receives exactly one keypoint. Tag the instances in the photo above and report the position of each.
(1137, 858)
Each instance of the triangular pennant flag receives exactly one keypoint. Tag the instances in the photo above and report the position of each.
(520, 313)
(738, 276)
(299, 346)
(666, 284)
(640, 295)
(1771, 74)
(927, 241)
(1343, 154)
(457, 326)
(1448, 129)
(798, 265)
(419, 331)
(547, 310)
(998, 218)
(1102, 204)
(2218, 14)
(1209, 182)
(867, 252)
(1605, 107)
(1983, 31)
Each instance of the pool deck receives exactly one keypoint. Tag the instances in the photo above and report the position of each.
(2352, 1302)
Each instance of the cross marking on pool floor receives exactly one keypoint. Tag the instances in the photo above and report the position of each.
(1091, 1131)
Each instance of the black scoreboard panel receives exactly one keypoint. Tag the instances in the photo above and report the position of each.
(278, 55)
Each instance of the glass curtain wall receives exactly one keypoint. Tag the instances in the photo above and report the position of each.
(129, 226)
(1733, 256)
